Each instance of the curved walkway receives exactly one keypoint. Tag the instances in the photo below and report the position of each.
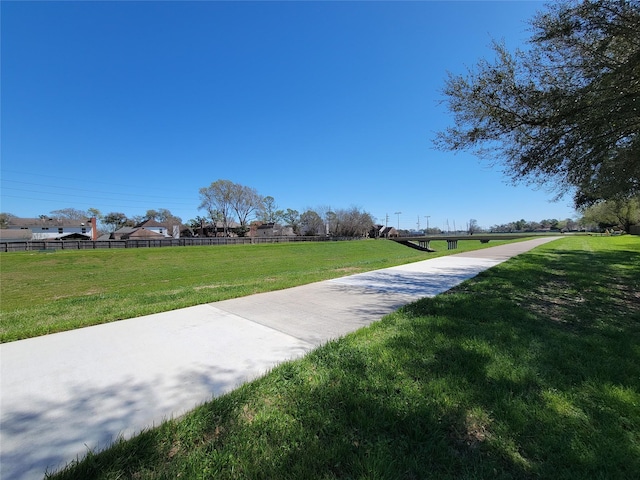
(64, 393)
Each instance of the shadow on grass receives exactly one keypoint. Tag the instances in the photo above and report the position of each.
(530, 370)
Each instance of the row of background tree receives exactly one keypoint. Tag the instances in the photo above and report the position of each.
(227, 202)
(235, 207)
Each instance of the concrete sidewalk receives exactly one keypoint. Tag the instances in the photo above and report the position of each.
(64, 393)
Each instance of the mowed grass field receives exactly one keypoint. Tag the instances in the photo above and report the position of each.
(531, 370)
(43, 293)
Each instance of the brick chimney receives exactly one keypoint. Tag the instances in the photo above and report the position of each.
(94, 228)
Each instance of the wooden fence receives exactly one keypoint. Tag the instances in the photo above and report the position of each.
(50, 246)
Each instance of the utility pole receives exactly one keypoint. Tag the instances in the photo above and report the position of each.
(427, 217)
(418, 222)
(398, 213)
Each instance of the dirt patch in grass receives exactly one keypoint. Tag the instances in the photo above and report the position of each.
(627, 297)
(471, 432)
(207, 287)
(554, 300)
(348, 270)
(560, 303)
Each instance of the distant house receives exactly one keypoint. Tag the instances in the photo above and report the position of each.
(271, 230)
(143, 233)
(380, 231)
(149, 229)
(117, 235)
(211, 230)
(160, 228)
(132, 233)
(45, 228)
(7, 235)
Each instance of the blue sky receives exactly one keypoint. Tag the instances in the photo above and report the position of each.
(130, 106)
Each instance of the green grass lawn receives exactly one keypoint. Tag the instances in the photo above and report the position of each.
(43, 293)
(529, 370)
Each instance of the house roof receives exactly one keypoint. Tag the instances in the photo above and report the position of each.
(124, 230)
(151, 223)
(267, 226)
(14, 222)
(125, 233)
(143, 233)
(119, 234)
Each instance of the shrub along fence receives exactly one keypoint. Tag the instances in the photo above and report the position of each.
(52, 245)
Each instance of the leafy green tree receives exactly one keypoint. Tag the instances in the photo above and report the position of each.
(614, 213)
(151, 215)
(115, 220)
(292, 219)
(311, 223)
(269, 212)
(520, 224)
(564, 112)
(162, 215)
(198, 225)
(5, 218)
(94, 212)
(97, 214)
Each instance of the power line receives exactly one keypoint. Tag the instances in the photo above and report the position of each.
(84, 190)
(52, 193)
(87, 203)
(86, 197)
(79, 180)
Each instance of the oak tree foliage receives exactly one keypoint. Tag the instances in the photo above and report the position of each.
(564, 113)
(621, 213)
(162, 215)
(115, 220)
